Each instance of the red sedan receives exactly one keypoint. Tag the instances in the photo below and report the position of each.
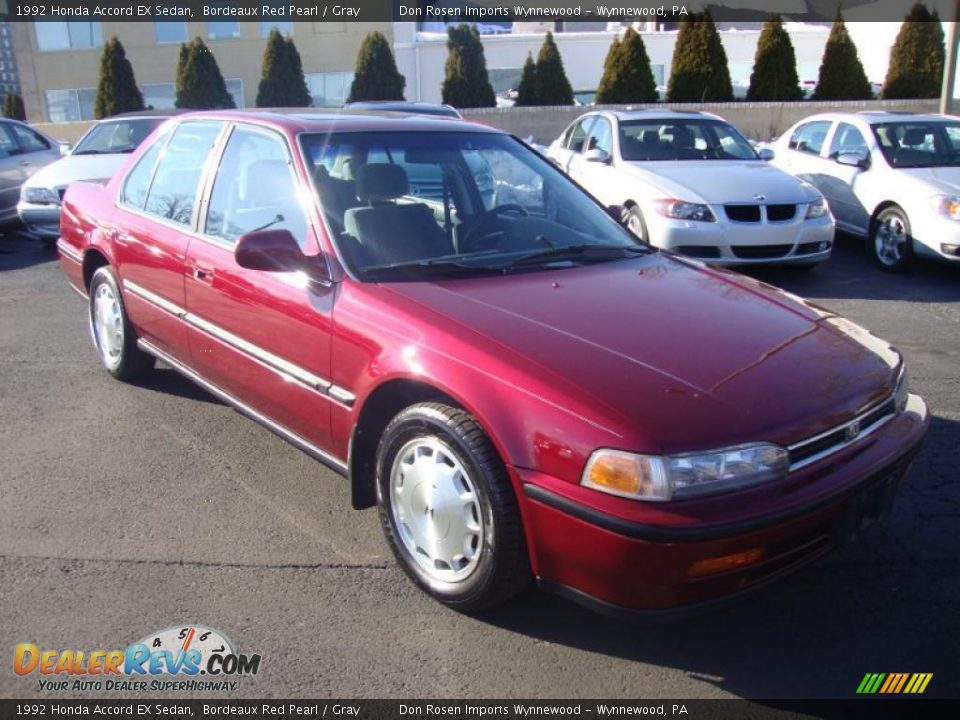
(525, 391)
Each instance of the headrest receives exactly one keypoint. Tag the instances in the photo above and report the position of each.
(683, 137)
(914, 136)
(650, 137)
(381, 181)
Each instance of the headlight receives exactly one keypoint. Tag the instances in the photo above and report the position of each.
(818, 208)
(678, 477)
(680, 210)
(39, 196)
(947, 205)
(902, 391)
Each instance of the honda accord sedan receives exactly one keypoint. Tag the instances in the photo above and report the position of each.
(693, 184)
(523, 389)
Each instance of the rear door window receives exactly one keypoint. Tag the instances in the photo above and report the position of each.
(809, 137)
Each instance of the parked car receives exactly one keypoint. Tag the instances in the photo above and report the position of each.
(97, 156)
(23, 152)
(418, 108)
(695, 186)
(892, 178)
(523, 390)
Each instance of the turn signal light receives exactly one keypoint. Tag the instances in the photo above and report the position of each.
(725, 563)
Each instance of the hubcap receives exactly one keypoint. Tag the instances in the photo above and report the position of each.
(891, 239)
(436, 510)
(108, 325)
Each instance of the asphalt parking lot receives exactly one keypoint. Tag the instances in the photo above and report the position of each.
(128, 509)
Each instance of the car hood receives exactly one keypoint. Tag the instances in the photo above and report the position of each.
(716, 182)
(937, 179)
(77, 167)
(706, 358)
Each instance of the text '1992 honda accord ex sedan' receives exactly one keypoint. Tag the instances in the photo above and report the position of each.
(521, 388)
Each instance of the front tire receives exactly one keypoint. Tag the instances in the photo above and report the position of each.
(637, 225)
(113, 335)
(448, 509)
(890, 243)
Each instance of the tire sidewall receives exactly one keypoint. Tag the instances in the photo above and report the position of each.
(417, 423)
(106, 276)
(635, 215)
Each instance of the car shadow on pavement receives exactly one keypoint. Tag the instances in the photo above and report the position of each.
(884, 604)
(168, 381)
(851, 274)
(19, 250)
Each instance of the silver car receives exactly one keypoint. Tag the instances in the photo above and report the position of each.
(97, 156)
(23, 151)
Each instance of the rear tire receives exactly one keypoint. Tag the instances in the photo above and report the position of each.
(113, 335)
(448, 509)
(890, 243)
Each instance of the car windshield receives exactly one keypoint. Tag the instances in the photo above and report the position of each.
(919, 143)
(682, 139)
(116, 136)
(413, 205)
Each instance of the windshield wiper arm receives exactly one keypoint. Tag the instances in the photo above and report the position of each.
(582, 253)
(431, 267)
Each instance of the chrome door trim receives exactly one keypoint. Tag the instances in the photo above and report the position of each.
(154, 299)
(326, 458)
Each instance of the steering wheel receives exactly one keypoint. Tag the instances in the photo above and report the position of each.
(505, 209)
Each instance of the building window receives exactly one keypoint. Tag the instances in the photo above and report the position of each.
(160, 96)
(285, 28)
(235, 88)
(329, 89)
(223, 30)
(170, 32)
(68, 35)
(70, 105)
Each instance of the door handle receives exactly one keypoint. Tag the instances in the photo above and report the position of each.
(203, 274)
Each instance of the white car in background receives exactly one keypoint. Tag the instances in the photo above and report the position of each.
(694, 185)
(893, 178)
(97, 156)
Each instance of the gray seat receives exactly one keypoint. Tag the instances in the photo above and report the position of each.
(390, 232)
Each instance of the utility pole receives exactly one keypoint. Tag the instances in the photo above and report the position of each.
(950, 66)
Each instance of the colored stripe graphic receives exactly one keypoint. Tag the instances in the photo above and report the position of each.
(894, 683)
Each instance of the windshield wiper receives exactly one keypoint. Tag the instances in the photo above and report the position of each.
(431, 268)
(90, 152)
(580, 253)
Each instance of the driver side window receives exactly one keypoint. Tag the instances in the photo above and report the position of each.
(578, 137)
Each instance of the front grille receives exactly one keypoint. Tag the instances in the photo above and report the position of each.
(754, 252)
(837, 438)
(743, 213)
(700, 251)
(781, 213)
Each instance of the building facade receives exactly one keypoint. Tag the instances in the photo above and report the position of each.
(58, 62)
(9, 81)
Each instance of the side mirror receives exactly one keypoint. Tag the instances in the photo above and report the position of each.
(853, 160)
(596, 155)
(276, 251)
(767, 154)
(65, 148)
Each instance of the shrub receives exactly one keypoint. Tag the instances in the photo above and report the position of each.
(376, 76)
(917, 57)
(841, 72)
(627, 77)
(13, 107)
(553, 87)
(699, 72)
(117, 90)
(199, 84)
(774, 75)
(466, 83)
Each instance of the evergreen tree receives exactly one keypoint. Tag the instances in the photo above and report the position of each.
(466, 83)
(916, 61)
(527, 92)
(841, 73)
(282, 83)
(553, 87)
(117, 90)
(200, 85)
(699, 72)
(376, 76)
(13, 107)
(627, 77)
(774, 76)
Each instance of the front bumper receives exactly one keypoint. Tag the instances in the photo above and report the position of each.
(730, 243)
(41, 220)
(583, 547)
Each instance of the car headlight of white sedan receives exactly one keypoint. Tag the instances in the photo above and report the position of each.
(38, 196)
(681, 210)
(818, 208)
(679, 477)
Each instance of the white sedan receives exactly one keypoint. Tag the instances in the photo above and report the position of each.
(891, 178)
(692, 184)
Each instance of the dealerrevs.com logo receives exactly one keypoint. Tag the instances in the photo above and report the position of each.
(186, 658)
